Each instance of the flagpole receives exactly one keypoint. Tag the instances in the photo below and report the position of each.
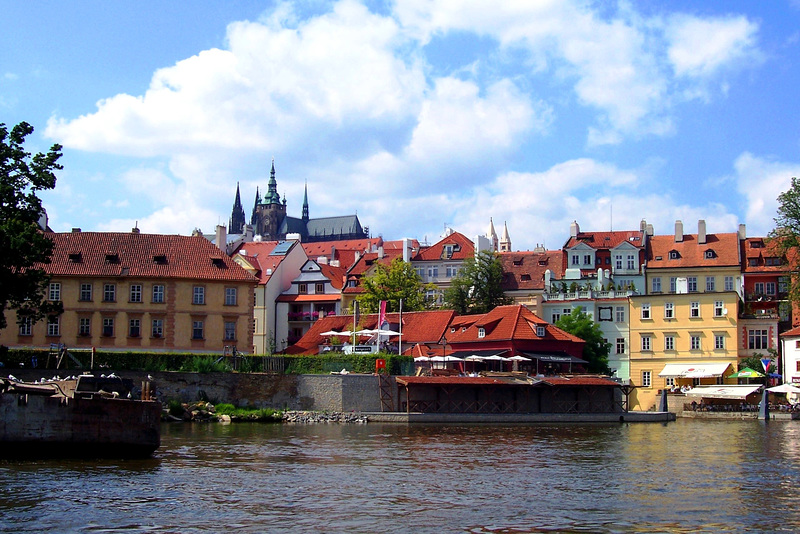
(400, 329)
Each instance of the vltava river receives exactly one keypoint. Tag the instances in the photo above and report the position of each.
(686, 476)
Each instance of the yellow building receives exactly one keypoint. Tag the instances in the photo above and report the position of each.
(683, 331)
(149, 292)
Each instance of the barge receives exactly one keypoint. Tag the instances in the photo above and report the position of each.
(84, 416)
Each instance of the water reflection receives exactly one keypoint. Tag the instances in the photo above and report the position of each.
(687, 476)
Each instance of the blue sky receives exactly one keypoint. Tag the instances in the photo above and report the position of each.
(417, 115)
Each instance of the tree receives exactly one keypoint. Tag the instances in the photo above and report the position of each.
(23, 246)
(392, 283)
(596, 349)
(786, 235)
(478, 288)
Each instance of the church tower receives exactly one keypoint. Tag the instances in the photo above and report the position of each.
(305, 204)
(237, 222)
(270, 212)
(254, 215)
(505, 240)
(491, 235)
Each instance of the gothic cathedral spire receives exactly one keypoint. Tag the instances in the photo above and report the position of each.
(237, 222)
(272, 196)
(254, 215)
(305, 203)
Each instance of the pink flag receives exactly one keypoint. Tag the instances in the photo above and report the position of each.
(382, 314)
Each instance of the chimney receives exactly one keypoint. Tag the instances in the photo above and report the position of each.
(643, 226)
(380, 252)
(222, 238)
(574, 229)
(742, 232)
(135, 230)
(650, 230)
(701, 232)
(407, 252)
(678, 231)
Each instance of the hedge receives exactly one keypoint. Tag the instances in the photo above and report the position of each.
(211, 362)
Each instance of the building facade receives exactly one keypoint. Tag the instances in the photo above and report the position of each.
(133, 291)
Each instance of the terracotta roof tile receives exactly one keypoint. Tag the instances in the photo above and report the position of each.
(525, 270)
(259, 255)
(606, 240)
(757, 252)
(109, 254)
(510, 322)
(465, 249)
(724, 251)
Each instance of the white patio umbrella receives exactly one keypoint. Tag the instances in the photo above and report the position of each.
(785, 388)
(518, 359)
(422, 359)
(474, 358)
(335, 333)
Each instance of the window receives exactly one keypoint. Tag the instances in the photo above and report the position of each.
(230, 296)
(197, 329)
(136, 293)
(230, 330)
(728, 283)
(620, 345)
(302, 288)
(694, 309)
(319, 288)
(710, 283)
(54, 326)
(719, 341)
(199, 295)
(645, 311)
(134, 329)
(631, 262)
(673, 283)
(158, 294)
(758, 288)
(657, 284)
(646, 383)
(25, 326)
(158, 328)
(576, 260)
(108, 327)
(481, 332)
(55, 291)
(710, 254)
(604, 313)
(770, 288)
(540, 331)
(555, 316)
(669, 342)
(86, 292)
(691, 284)
(695, 342)
(669, 381)
(673, 255)
(719, 309)
(84, 326)
(783, 284)
(646, 346)
(434, 272)
(757, 339)
(587, 259)
(669, 310)
(109, 293)
(618, 261)
(620, 314)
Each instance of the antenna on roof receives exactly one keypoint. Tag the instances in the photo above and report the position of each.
(611, 215)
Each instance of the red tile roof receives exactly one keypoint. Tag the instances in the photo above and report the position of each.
(257, 254)
(334, 274)
(762, 250)
(418, 327)
(690, 253)
(466, 249)
(110, 254)
(606, 240)
(513, 322)
(525, 270)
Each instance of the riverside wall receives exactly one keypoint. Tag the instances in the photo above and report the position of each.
(333, 393)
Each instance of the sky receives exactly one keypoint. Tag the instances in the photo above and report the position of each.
(416, 115)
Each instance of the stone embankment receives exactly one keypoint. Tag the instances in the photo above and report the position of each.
(205, 412)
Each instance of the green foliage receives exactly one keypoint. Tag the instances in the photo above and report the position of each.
(786, 235)
(596, 350)
(478, 288)
(352, 363)
(205, 364)
(248, 414)
(175, 408)
(23, 287)
(754, 362)
(392, 283)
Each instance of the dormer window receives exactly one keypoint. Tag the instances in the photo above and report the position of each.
(112, 257)
(160, 259)
(517, 262)
(674, 255)
(218, 263)
(75, 257)
(525, 277)
(481, 332)
(710, 254)
(540, 331)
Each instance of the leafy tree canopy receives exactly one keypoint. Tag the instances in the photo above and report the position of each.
(596, 350)
(22, 243)
(478, 288)
(392, 283)
(786, 234)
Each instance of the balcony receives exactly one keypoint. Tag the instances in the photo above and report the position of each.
(588, 295)
(303, 316)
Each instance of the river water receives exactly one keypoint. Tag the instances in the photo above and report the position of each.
(684, 476)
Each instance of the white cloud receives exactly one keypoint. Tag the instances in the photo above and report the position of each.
(702, 47)
(760, 181)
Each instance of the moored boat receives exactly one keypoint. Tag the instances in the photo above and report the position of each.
(85, 416)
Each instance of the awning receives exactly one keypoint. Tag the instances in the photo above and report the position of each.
(693, 370)
(723, 392)
(554, 357)
(483, 353)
